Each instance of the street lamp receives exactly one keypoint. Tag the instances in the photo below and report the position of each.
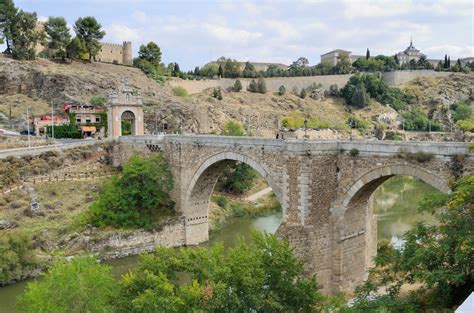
(28, 125)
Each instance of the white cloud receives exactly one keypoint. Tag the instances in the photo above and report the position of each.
(452, 50)
(232, 35)
(119, 32)
(140, 16)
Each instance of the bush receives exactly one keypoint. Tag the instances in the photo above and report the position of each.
(354, 152)
(358, 123)
(180, 91)
(261, 85)
(98, 101)
(233, 128)
(466, 125)
(82, 285)
(281, 90)
(418, 120)
(253, 87)
(334, 90)
(221, 201)
(137, 197)
(419, 156)
(16, 257)
(303, 93)
(237, 86)
(239, 178)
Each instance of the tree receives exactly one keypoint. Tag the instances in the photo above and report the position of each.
(8, 19)
(82, 285)
(252, 86)
(220, 72)
(281, 90)
(297, 67)
(237, 86)
(265, 276)
(25, 36)
(439, 67)
(76, 49)
(360, 98)
(58, 35)
(445, 65)
(90, 32)
(176, 70)
(150, 52)
(367, 54)
(436, 258)
(249, 70)
(449, 61)
(137, 197)
(461, 111)
(98, 101)
(17, 256)
(233, 128)
(343, 65)
(261, 85)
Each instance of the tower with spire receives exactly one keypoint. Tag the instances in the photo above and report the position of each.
(410, 53)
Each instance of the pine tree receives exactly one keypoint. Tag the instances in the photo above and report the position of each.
(176, 69)
(449, 61)
(237, 86)
(8, 22)
(445, 65)
(196, 70)
(458, 62)
(360, 98)
(58, 35)
(303, 93)
(90, 32)
(367, 54)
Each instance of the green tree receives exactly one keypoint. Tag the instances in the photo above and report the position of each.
(209, 70)
(176, 70)
(237, 86)
(150, 52)
(220, 71)
(360, 98)
(8, 22)
(253, 87)
(281, 90)
(343, 65)
(238, 178)
(25, 36)
(233, 128)
(90, 32)
(249, 70)
(367, 54)
(58, 35)
(303, 93)
(261, 85)
(137, 197)
(265, 276)
(298, 66)
(98, 101)
(82, 285)
(461, 111)
(16, 256)
(438, 258)
(76, 49)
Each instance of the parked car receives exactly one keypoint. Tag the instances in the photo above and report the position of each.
(25, 133)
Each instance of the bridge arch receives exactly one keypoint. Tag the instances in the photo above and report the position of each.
(356, 230)
(201, 186)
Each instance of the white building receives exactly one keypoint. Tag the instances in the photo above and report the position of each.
(410, 53)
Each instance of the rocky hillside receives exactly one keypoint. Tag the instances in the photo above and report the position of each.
(40, 83)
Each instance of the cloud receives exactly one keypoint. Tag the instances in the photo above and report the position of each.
(140, 16)
(120, 32)
(452, 50)
(226, 34)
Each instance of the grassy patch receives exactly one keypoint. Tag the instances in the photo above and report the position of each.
(180, 92)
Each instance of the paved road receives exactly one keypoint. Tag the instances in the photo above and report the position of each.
(257, 195)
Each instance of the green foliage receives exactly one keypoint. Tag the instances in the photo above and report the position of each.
(25, 36)
(358, 123)
(58, 35)
(76, 49)
(249, 71)
(281, 90)
(98, 101)
(418, 120)
(261, 85)
(252, 86)
(239, 178)
(303, 93)
(354, 152)
(396, 98)
(360, 98)
(150, 52)
(8, 20)
(438, 257)
(64, 131)
(221, 201)
(296, 119)
(233, 128)
(237, 86)
(16, 256)
(137, 197)
(334, 90)
(461, 111)
(466, 125)
(343, 65)
(89, 31)
(263, 277)
(209, 70)
(217, 93)
(82, 285)
(126, 127)
(180, 91)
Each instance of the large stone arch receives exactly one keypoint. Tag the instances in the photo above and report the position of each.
(199, 190)
(356, 225)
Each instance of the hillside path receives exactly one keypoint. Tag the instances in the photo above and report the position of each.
(259, 194)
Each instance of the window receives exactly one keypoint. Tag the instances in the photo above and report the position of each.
(88, 119)
(78, 119)
(97, 119)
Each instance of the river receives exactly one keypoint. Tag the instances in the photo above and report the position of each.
(394, 203)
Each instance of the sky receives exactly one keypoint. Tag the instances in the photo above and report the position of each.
(192, 33)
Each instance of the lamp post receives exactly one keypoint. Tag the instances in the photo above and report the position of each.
(28, 125)
(52, 120)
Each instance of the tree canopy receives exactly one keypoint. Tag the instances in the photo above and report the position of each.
(58, 35)
(90, 32)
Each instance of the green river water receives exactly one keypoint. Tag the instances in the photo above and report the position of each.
(394, 203)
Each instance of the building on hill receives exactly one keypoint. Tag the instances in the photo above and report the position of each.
(108, 53)
(40, 123)
(410, 53)
(331, 57)
(88, 117)
(259, 66)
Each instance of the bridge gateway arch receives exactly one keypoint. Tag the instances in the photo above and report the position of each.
(323, 190)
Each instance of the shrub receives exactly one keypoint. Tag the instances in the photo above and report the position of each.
(233, 128)
(238, 178)
(98, 101)
(16, 256)
(180, 91)
(221, 201)
(334, 90)
(303, 93)
(358, 123)
(237, 86)
(261, 85)
(418, 120)
(217, 93)
(461, 111)
(354, 152)
(281, 90)
(419, 156)
(82, 285)
(252, 86)
(137, 197)
(466, 125)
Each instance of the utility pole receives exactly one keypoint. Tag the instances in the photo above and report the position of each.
(52, 120)
(28, 125)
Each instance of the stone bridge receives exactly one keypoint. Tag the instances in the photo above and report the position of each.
(324, 189)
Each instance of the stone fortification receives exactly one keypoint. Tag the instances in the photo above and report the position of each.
(115, 53)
